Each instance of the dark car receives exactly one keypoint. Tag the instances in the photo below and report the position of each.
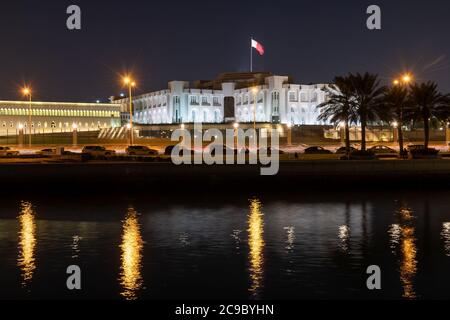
(413, 147)
(343, 150)
(141, 151)
(317, 150)
(383, 151)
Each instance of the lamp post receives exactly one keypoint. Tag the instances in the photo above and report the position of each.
(27, 92)
(236, 128)
(74, 134)
(289, 137)
(131, 84)
(398, 124)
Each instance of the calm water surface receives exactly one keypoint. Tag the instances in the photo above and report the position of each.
(291, 246)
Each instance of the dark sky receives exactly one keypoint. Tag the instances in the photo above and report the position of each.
(187, 40)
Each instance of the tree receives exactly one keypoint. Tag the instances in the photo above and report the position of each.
(339, 107)
(368, 97)
(426, 103)
(393, 109)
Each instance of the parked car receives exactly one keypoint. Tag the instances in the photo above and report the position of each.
(7, 152)
(97, 151)
(416, 147)
(141, 151)
(46, 152)
(384, 151)
(317, 150)
(343, 150)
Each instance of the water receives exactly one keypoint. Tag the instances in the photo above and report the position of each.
(292, 246)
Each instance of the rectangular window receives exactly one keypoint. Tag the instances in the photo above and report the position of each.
(304, 97)
(293, 96)
(194, 100)
(205, 101)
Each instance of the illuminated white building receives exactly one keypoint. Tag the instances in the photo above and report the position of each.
(230, 97)
(47, 117)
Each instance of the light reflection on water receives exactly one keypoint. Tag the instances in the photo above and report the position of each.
(132, 245)
(402, 238)
(445, 234)
(256, 246)
(27, 242)
(256, 251)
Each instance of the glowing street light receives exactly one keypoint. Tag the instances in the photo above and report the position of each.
(128, 81)
(404, 79)
(26, 91)
(407, 78)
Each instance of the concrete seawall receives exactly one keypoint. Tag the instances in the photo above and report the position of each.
(293, 175)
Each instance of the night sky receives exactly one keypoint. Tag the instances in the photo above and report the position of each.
(161, 41)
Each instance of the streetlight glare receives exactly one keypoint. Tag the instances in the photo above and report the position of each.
(26, 91)
(396, 82)
(407, 78)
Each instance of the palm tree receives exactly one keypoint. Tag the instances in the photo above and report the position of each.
(427, 102)
(339, 107)
(394, 106)
(368, 96)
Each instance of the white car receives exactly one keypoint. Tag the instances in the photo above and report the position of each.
(97, 151)
(7, 152)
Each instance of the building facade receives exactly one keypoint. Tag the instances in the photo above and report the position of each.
(232, 97)
(53, 117)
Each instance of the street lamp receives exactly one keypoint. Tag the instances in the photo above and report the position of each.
(27, 92)
(236, 127)
(403, 80)
(131, 84)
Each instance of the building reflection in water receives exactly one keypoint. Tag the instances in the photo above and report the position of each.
(256, 245)
(27, 242)
(236, 235)
(344, 236)
(403, 238)
(445, 234)
(76, 246)
(290, 242)
(131, 259)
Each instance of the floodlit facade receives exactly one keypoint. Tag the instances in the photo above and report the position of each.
(231, 97)
(48, 117)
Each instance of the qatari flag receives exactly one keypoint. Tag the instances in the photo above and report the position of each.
(258, 46)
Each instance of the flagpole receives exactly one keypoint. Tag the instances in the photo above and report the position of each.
(251, 54)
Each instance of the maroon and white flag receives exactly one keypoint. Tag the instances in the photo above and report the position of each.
(258, 46)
